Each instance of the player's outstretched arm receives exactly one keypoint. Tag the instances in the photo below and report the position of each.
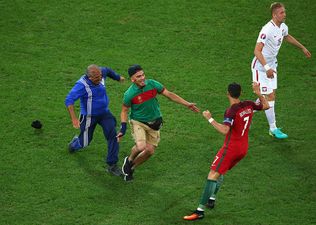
(176, 98)
(221, 128)
(290, 39)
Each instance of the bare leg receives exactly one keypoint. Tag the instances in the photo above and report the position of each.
(134, 153)
(141, 152)
(213, 175)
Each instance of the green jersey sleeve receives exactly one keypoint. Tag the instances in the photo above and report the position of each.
(158, 86)
(127, 100)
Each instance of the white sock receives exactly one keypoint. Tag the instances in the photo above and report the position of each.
(270, 114)
(200, 209)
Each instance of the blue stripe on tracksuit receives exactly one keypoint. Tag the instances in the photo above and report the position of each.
(94, 110)
(108, 123)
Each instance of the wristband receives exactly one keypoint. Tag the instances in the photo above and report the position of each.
(267, 67)
(210, 120)
(123, 128)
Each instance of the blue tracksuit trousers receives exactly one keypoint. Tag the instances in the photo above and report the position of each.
(87, 126)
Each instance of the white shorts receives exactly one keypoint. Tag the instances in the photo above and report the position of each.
(267, 85)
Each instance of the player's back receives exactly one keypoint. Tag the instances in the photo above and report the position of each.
(241, 115)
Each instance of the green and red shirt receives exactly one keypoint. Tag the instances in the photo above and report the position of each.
(143, 102)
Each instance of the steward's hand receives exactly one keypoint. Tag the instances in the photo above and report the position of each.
(76, 123)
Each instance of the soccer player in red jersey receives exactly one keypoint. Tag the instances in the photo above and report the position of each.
(237, 120)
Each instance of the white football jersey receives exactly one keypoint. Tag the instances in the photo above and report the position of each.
(272, 37)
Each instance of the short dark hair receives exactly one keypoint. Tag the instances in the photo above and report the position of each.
(134, 69)
(234, 90)
(276, 5)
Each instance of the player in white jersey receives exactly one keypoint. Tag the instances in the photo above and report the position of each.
(264, 65)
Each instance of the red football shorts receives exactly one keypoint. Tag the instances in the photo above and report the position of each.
(227, 157)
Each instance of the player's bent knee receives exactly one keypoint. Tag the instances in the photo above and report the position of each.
(141, 146)
(213, 175)
(150, 149)
(150, 152)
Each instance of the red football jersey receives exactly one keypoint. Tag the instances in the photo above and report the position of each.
(239, 117)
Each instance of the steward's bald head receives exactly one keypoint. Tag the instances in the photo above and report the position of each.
(93, 70)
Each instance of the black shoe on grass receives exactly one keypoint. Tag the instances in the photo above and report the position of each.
(129, 177)
(114, 170)
(127, 167)
(210, 203)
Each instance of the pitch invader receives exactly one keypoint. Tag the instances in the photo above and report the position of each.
(264, 65)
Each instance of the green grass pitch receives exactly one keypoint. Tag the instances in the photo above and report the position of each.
(195, 48)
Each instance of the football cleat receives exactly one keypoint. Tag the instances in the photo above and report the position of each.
(277, 133)
(210, 203)
(129, 177)
(196, 215)
(127, 167)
